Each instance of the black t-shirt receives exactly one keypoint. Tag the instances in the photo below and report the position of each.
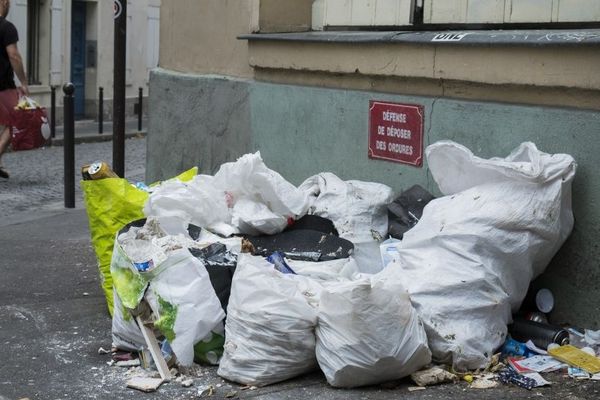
(8, 36)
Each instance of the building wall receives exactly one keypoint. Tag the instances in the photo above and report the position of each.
(55, 57)
(202, 36)
(304, 105)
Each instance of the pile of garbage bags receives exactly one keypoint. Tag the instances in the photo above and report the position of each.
(270, 281)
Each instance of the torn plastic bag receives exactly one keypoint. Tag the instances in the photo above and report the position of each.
(270, 324)
(220, 264)
(468, 263)
(358, 211)
(326, 271)
(302, 244)
(250, 178)
(126, 335)
(242, 197)
(252, 217)
(234, 244)
(199, 202)
(314, 223)
(111, 204)
(389, 251)
(187, 308)
(368, 333)
(406, 210)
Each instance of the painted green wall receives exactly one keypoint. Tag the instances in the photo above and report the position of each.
(301, 131)
(195, 121)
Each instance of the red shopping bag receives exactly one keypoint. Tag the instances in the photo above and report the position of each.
(27, 128)
(8, 101)
(25, 117)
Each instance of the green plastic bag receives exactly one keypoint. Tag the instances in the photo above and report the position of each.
(111, 204)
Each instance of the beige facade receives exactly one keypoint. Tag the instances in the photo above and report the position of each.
(203, 38)
(301, 96)
(47, 39)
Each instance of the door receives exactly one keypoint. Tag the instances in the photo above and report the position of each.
(78, 56)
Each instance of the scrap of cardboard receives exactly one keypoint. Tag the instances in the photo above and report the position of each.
(577, 358)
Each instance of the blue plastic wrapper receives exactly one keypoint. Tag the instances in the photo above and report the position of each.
(515, 348)
(278, 260)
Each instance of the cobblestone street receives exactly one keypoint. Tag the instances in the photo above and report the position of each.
(36, 180)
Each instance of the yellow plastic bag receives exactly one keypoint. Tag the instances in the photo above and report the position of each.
(111, 204)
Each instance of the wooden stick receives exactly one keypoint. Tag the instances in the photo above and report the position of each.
(157, 356)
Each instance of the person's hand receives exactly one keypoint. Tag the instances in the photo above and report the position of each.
(23, 90)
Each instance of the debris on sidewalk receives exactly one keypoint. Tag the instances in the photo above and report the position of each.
(187, 382)
(487, 381)
(128, 363)
(206, 391)
(144, 384)
(576, 358)
(433, 376)
(270, 281)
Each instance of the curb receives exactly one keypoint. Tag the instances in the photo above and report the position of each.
(95, 138)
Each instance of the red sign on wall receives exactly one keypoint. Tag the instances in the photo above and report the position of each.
(396, 132)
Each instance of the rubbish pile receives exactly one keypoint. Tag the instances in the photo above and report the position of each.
(270, 281)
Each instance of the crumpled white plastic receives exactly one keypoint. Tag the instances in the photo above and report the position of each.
(269, 335)
(368, 333)
(468, 263)
(175, 277)
(358, 211)
(242, 197)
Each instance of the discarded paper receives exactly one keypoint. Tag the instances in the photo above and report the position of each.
(432, 376)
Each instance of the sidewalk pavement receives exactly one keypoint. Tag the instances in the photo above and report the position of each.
(86, 131)
(53, 320)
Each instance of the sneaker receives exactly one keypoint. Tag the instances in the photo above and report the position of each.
(3, 173)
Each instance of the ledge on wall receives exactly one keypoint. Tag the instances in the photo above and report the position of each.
(530, 38)
(513, 65)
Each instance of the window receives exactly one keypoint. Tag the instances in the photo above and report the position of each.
(153, 39)
(33, 42)
(345, 13)
(341, 14)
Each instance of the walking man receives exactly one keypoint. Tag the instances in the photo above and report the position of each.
(10, 63)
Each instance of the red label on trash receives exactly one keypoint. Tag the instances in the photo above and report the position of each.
(396, 132)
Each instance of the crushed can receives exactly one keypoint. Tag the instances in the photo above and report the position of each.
(97, 170)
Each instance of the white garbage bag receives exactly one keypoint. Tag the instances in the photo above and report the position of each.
(358, 211)
(368, 333)
(187, 303)
(271, 317)
(250, 178)
(199, 202)
(180, 292)
(468, 263)
(242, 197)
(326, 271)
(126, 334)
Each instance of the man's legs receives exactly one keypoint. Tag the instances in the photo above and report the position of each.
(4, 141)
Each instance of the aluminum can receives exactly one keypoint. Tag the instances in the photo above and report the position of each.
(97, 170)
(539, 333)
